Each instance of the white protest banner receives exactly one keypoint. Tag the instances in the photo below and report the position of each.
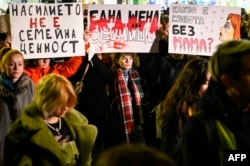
(124, 28)
(198, 30)
(47, 30)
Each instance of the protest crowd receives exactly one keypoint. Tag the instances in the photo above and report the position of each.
(131, 109)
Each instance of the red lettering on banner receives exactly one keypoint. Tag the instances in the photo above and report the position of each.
(191, 44)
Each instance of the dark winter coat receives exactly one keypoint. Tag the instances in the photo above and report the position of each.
(150, 72)
(217, 128)
(171, 133)
(13, 98)
(30, 142)
(93, 101)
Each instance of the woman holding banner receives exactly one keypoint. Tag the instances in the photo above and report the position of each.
(125, 119)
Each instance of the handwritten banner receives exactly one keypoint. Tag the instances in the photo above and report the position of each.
(124, 28)
(199, 29)
(47, 30)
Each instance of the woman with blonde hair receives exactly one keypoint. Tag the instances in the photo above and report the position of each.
(16, 90)
(50, 131)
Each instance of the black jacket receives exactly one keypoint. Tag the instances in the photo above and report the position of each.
(217, 128)
(93, 101)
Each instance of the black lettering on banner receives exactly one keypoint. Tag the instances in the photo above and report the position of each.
(55, 47)
(46, 10)
(183, 30)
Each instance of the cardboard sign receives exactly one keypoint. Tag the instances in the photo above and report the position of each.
(198, 30)
(47, 30)
(124, 28)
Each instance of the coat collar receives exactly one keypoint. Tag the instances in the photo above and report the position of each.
(32, 121)
(20, 86)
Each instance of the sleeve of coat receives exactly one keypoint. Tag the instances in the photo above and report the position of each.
(170, 131)
(27, 71)
(198, 147)
(69, 67)
(104, 70)
(14, 152)
(85, 135)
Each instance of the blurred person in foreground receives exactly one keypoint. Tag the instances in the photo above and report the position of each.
(222, 124)
(50, 131)
(134, 155)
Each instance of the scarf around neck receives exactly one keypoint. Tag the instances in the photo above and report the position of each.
(123, 98)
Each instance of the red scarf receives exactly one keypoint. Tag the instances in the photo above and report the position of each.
(123, 97)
